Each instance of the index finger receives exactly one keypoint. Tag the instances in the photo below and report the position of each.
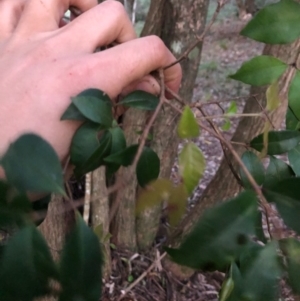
(126, 63)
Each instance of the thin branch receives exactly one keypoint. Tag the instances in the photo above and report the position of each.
(216, 129)
(264, 112)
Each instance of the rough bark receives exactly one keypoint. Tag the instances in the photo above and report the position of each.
(100, 214)
(55, 227)
(178, 23)
(224, 185)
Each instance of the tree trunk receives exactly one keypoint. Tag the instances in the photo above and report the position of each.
(56, 225)
(100, 215)
(224, 185)
(176, 23)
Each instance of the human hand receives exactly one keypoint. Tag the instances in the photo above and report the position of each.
(42, 65)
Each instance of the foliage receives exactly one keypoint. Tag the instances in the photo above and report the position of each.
(228, 237)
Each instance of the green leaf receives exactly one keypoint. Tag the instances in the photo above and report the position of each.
(272, 96)
(293, 95)
(227, 125)
(277, 171)
(232, 109)
(275, 24)
(14, 209)
(261, 275)
(294, 159)
(261, 70)
(26, 267)
(94, 109)
(154, 194)
(140, 100)
(291, 249)
(124, 157)
(97, 157)
(148, 167)
(279, 142)
(188, 126)
(291, 121)
(31, 164)
(226, 289)
(177, 204)
(81, 265)
(191, 166)
(118, 144)
(255, 167)
(72, 113)
(84, 143)
(286, 195)
(220, 235)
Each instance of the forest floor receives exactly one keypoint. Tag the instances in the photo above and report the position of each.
(224, 51)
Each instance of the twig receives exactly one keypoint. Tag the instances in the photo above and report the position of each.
(231, 115)
(264, 112)
(141, 277)
(87, 197)
(223, 148)
(199, 38)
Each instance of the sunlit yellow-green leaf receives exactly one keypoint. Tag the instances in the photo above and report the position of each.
(227, 288)
(177, 204)
(188, 126)
(191, 166)
(272, 95)
(155, 193)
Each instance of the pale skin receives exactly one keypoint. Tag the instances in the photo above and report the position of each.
(42, 64)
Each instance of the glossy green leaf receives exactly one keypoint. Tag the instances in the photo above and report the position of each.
(191, 166)
(26, 266)
(291, 249)
(188, 126)
(84, 143)
(294, 158)
(279, 142)
(293, 96)
(286, 195)
(97, 157)
(177, 204)
(140, 100)
(124, 157)
(255, 167)
(94, 109)
(31, 164)
(148, 167)
(291, 121)
(72, 113)
(277, 171)
(261, 275)
(220, 235)
(261, 70)
(118, 144)
(275, 24)
(80, 265)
